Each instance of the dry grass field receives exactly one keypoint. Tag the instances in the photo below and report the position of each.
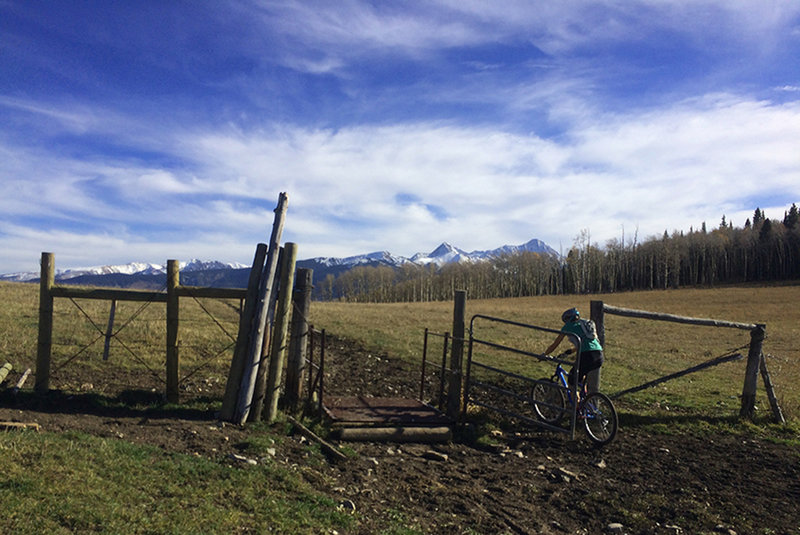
(636, 350)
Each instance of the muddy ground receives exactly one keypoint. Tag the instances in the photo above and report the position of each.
(520, 480)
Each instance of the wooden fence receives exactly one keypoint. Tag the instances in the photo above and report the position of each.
(755, 355)
(49, 290)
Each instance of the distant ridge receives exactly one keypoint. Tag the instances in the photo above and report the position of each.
(235, 275)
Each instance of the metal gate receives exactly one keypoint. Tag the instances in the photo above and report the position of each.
(510, 391)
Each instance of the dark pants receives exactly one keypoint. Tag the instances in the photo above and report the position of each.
(589, 361)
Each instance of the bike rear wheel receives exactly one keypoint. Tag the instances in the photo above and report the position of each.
(549, 401)
(599, 418)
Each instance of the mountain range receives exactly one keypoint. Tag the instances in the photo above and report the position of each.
(235, 275)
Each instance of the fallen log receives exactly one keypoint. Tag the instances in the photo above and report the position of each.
(10, 426)
(327, 447)
(21, 381)
(4, 371)
(425, 435)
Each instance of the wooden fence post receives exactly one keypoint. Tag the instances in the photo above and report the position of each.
(173, 320)
(457, 355)
(597, 316)
(279, 333)
(245, 331)
(45, 343)
(298, 341)
(250, 371)
(757, 336)
(109, 329)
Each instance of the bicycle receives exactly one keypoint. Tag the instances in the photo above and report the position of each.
(549, 397)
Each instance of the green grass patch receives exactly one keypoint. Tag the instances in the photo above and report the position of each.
(74, 483)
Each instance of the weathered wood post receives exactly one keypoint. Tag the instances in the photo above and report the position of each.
(773, 399)
(457, 355)
(4, 371)
(597, 316)
(246, 318)
(45, 343)
(173, 320)
(109, 329)
(260, 388)
(757, 336)
(298, 341)
(280, 331)
(253, 359)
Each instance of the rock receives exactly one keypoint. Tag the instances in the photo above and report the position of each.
(241, 459)
(348, 506)
(432, 455)
(566, 475)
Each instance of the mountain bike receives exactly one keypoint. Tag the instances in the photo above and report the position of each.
(550, 398)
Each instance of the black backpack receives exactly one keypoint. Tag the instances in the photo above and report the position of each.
(589, 329)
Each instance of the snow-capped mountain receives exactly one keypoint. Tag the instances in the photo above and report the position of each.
(133, 268)
(443, 254)
(197, 270)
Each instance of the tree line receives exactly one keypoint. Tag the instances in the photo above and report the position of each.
(761, 250)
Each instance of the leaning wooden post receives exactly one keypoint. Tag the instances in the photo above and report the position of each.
(457, 355)
(597, 316)
(173, 320)
(298, 341)
(280, 331)
(245, 330)
(262, 312)
(757, 336)
(44, 346)
(773, 399)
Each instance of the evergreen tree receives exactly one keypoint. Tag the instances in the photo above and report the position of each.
(792, 217)
(758, 217)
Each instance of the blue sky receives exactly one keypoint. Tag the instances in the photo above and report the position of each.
(149, 130)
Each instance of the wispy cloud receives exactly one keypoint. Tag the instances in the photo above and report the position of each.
(158, 131)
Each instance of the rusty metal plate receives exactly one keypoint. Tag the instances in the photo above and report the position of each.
(370, 410)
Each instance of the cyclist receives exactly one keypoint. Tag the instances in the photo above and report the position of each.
(591, 352)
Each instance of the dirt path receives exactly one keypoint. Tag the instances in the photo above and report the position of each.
(523, 482)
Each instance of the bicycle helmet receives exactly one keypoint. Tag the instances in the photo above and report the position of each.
(570, 315)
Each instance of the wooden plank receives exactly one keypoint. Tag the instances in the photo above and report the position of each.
(212, 293)
(327, 447)
(423, 435)
(9, 426)
(76, 292)
(631, 313)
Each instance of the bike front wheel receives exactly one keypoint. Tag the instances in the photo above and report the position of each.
(599, 417)
(549, 401)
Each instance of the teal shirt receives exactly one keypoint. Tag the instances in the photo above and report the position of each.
(586, 345)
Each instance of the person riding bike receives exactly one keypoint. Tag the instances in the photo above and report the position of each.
(591, 352)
